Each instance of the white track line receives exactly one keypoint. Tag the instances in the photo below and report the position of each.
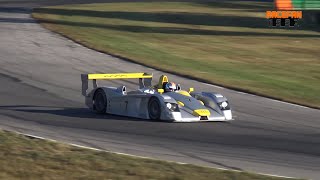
(274, 175)
(219, 87)
(85, 147)
(36, 137)
(144, 157)
(283, 102)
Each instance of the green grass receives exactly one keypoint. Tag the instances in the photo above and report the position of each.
(25, 158)
(225, 43)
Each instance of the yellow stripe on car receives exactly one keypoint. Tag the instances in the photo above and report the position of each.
(180, 103)
(201, 112)
(184, 93)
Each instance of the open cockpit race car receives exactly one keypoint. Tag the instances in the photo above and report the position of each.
(153, 102)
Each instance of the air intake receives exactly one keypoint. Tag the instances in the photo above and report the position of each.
(203, 117)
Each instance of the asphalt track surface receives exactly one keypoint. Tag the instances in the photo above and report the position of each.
(40, 94)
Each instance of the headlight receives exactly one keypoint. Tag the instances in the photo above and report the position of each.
(224, 105)
(172, 107)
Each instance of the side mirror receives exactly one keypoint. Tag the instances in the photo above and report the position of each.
(178, 87)
(191, 90)
(160, 91)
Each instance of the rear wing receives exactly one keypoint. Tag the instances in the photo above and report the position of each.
(144, 79)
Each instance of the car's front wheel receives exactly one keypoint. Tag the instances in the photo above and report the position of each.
(154, 108)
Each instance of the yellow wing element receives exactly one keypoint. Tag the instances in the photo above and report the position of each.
(144, 79)
(201, 112)
(119, 76)
(163, 79)
(184, 93)
(191, 90)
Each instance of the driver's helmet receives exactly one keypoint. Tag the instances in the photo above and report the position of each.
(170, 87)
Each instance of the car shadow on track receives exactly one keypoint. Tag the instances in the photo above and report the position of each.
(70, 112)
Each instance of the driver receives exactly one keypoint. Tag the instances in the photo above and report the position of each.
(170, 87)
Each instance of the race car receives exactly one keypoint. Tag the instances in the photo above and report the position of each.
(153, 101)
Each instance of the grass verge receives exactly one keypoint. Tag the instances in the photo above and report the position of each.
(224, 43)
(25, 158)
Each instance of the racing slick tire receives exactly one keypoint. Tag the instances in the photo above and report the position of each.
(154, 108)
(100, 101)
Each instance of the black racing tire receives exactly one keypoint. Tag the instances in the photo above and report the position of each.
(100, 101)
(154, 108)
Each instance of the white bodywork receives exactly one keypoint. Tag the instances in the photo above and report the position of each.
(149, 102)
(135, 104)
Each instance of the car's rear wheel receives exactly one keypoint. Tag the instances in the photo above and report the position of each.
(100, 101)
(154, 108)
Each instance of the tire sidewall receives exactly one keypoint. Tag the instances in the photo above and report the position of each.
(152, 114)
(99, 96)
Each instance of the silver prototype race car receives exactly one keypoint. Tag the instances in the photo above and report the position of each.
(152, 102)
